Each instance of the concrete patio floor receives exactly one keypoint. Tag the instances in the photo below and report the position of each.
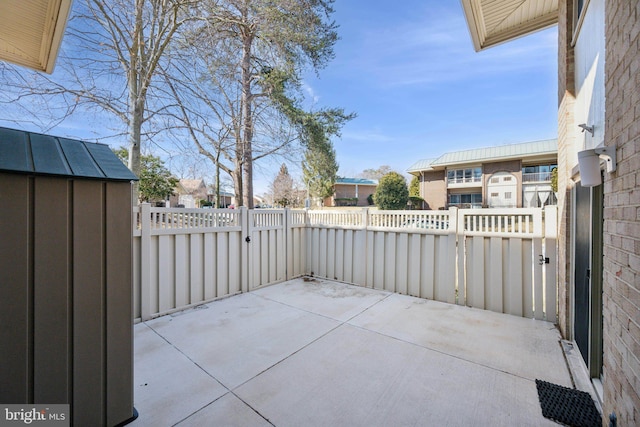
(321, 353)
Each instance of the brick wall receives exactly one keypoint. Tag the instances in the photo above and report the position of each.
(566, 101)
(621, 281)
(344, 191)
(433, 189)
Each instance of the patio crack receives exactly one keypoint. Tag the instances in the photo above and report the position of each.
(229, 391)
(340, 324)
(493, 368)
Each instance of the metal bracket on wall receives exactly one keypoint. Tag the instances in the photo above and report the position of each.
(247, 239)
(543, 260)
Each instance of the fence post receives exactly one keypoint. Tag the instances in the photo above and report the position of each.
(456, 223)
(288, 243)
(365, 218)
(366, 255)
(551, 251)
(145, 261)
(306, 260)
(245, 265)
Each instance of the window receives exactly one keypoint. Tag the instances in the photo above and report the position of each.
(579, 5)
(507, 178)
(507, 194)
(462, 176)
(495, 180)
(579, 9)
(540, 173)
(466, 200)
(494, 194)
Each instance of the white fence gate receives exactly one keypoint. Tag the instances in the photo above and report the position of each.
(485, 258)
(507, 261)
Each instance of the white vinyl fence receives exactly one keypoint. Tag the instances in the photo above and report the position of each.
(485, 258)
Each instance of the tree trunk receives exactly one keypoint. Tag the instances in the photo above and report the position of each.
(136, 101)
(217, 202)
(135, 126)
(247, 121)
(237, 183)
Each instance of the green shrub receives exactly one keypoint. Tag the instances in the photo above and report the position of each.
(346, 201)
(415, 202)
(392, 192)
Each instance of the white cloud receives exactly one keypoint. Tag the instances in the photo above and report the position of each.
(366, 136)
(436, 48)
(313, 98)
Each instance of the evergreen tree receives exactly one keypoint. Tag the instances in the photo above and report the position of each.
(414, 187)
(156, 182)
(320, 169)
(392, 192)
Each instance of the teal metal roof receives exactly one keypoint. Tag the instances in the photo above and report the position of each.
(34, 153)
(356, 181)
(488, 154)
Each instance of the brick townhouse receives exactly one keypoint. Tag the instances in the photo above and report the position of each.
(599, 224)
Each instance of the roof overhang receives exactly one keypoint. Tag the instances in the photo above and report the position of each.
(492, 22)
(31, 31)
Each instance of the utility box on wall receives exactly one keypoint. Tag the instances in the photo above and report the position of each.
(65, 277)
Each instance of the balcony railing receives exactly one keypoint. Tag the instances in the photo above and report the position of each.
(466, 205)
(467, 180)
(536, 177)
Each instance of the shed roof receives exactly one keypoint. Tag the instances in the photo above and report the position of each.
(356, 181)
(34, 153)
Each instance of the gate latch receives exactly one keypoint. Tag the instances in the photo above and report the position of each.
(543, 260)
(248, 239)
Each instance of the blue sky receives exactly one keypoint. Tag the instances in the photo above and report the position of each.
(409, 71)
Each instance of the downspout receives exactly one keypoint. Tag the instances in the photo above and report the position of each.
(420, 188)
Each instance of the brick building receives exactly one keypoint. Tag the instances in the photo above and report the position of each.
(505, 176)
(352, 192)
(599, 225)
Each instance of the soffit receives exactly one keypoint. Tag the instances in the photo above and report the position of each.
(492, 22)
(31, 31)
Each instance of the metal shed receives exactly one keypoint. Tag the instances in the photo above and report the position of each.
(65, 277)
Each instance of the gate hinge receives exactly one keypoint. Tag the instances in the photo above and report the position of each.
(543, 260)
(247, 239)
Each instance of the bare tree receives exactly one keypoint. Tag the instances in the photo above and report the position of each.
(207, 111)
(375, 173)
(254, 52)
(110, 57)
(282, 188)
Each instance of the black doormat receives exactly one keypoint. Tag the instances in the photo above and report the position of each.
(568, 406)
